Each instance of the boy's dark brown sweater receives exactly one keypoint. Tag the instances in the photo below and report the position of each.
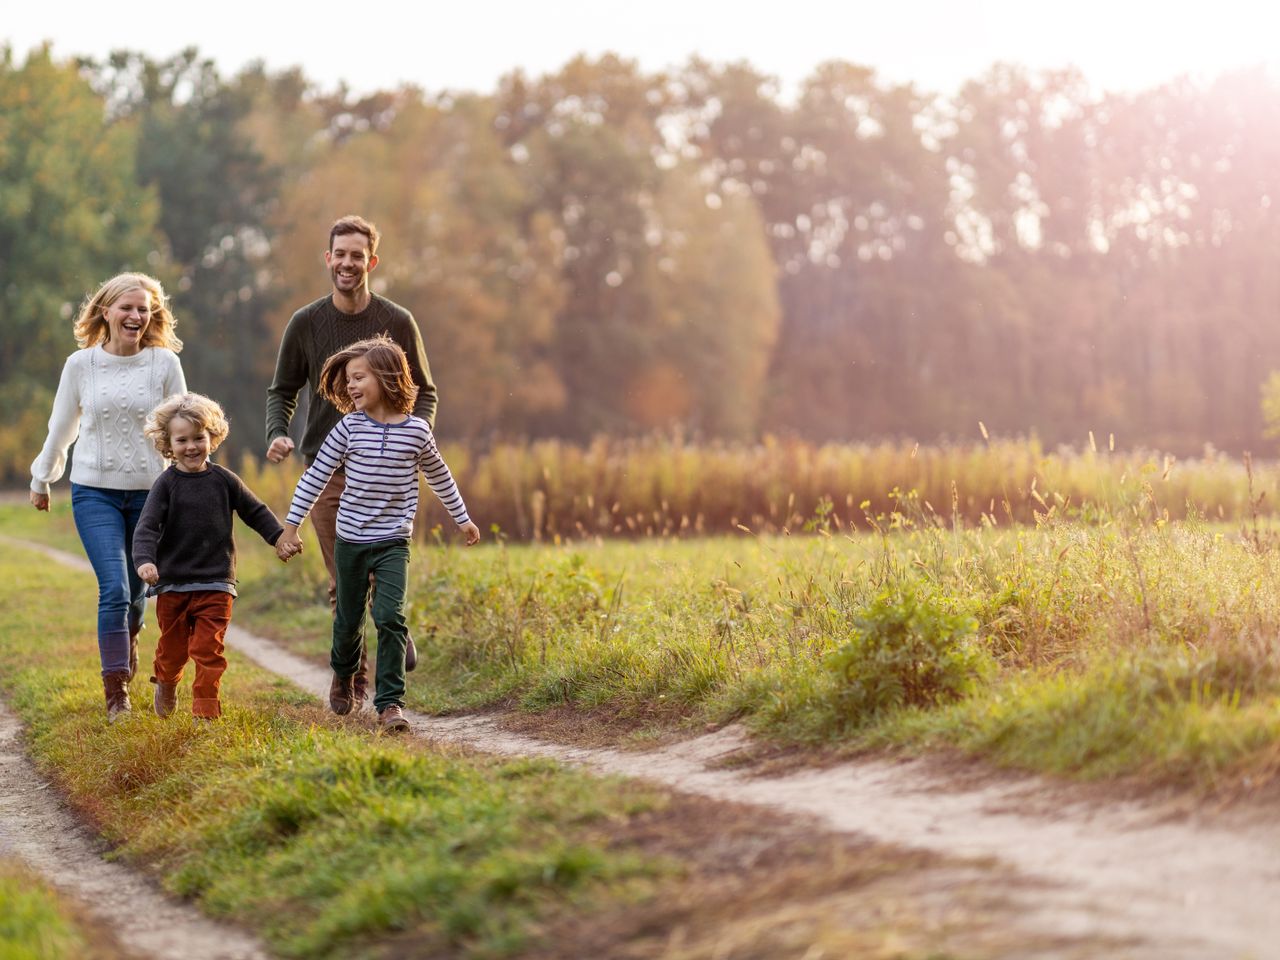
(185, 527)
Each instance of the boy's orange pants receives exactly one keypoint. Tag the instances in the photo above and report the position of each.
(192, 626)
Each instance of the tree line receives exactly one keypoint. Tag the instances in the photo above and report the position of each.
(608, 251)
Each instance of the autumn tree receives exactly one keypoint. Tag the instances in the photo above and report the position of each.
(215, 193)
(72, 213)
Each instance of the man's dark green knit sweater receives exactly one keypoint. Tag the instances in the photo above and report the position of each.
(317, 332)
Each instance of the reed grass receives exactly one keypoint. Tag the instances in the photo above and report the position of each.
(550, 491)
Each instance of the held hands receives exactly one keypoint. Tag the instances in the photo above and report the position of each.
(148, 574)
(280, 448)
(289, 545)
(40, 500)
(472, 532)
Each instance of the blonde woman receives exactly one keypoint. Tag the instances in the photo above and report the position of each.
(127, 362)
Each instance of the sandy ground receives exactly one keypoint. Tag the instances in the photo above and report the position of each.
(1167, 883)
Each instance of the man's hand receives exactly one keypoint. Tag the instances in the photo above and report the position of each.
(280, 448)
(289, 545)
(148, 574)
(472, 532)
(40, 500)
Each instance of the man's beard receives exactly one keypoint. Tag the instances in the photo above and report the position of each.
(360, 285)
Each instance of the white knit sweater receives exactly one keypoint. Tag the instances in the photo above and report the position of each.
(102, 402)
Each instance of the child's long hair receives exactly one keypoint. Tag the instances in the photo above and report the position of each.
(388, 363)
(199, 410)
(91, 323)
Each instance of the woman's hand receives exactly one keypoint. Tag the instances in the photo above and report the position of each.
(40, 500)
(472, 533)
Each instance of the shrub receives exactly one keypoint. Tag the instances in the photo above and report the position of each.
(906, 651)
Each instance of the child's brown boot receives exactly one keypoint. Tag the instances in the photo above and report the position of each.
(165, 699)
(392, 720)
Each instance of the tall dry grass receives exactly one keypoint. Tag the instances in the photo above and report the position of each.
(552, 491)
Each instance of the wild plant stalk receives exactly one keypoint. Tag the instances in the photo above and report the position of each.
(554, 492)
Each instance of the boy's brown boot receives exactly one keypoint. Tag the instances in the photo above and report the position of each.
(115, 686)
(166, 698)
(392, 720)
(341, 694)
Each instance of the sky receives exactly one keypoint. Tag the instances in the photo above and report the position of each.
(1121, 45)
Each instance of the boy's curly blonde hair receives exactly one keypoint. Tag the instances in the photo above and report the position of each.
(197, 409)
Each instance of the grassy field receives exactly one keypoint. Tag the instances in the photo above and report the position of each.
(1127, 646)
(310, 831)
(1114, 642)
(330, 840)
(37, 923)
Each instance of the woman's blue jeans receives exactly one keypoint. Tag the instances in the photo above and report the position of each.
(105, 520)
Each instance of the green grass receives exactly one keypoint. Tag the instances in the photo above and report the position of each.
(55, 527)
(328, 839)
(316, 833)
(1129, 646)
(37, 923)
(1125, 646)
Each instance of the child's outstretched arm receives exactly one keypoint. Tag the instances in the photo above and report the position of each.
(259, 517)
(310, 485)
(442, 484)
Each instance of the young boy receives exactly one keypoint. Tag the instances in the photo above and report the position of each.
(382, 447)
(183, 547)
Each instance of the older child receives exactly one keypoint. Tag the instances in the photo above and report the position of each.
(185, 550)
(382, 446)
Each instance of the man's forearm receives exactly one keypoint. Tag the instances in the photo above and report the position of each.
(280, 410)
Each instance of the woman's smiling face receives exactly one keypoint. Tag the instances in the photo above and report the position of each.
(127, 320)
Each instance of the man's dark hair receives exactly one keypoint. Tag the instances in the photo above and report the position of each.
(353, 224)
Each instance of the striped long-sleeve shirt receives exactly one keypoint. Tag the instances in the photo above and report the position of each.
(382, 461)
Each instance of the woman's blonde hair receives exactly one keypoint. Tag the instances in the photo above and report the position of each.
(91, 323)
(389, 365)
(199, 410)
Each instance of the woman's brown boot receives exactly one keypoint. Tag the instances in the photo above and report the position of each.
(133, 655)
(116, 688)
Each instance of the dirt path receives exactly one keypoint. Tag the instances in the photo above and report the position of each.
(36, 828)
(1201, 887)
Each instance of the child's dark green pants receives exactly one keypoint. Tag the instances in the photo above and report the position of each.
(388, 562)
